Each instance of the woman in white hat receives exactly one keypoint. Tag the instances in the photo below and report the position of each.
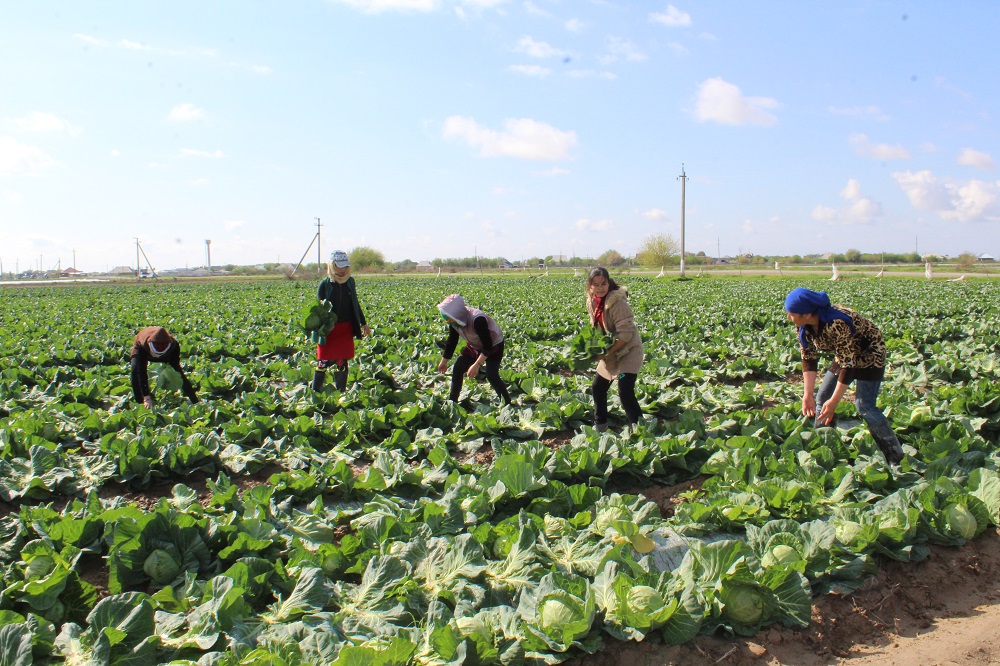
(339, 289)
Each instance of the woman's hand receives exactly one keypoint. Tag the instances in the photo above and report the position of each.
(827, 413)
(808, 405)
(148, 401)
(473, 370)
(365, 332)
(443, 366)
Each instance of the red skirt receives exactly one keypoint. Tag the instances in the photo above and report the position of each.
(339, 345)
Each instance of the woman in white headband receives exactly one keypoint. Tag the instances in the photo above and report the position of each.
(154, 343)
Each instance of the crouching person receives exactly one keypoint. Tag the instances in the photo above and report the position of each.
(484, 344)
(155, 344)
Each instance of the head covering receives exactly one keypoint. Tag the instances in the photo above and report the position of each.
(454, 307)
(160, 343)
(802, 301)
(340, 259)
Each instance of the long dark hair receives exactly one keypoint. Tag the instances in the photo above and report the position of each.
(601, 271)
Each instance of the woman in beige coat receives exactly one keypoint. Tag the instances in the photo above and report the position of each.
(607, 304)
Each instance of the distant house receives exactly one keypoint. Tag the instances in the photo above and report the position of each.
(122, 270)
(505, 264)
(985, 257)
(71, 272)
(424, 266)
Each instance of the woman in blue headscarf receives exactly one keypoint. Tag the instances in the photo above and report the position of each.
(859, 356)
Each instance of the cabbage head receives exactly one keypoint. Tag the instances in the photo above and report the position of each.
(743, 605)
(564, 616)
(161, 566)
(781, 555)
(168, 379)
(847, 531)
(961, 521)
(645, 600)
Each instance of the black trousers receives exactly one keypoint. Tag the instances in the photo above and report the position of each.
(465, 361)
(626, 393)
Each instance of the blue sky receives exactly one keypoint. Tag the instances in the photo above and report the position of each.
(442, 128)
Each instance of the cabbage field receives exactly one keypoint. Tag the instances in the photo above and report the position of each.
(385, 525)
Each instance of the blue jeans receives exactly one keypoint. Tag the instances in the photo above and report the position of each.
(865, 395)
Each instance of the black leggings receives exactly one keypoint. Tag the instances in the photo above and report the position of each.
(465, 361)
(626, 393)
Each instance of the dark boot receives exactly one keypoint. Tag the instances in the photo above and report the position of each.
(890, 448)
(318, 378)
(340, 379)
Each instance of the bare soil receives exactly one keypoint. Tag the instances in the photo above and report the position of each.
(943, 611)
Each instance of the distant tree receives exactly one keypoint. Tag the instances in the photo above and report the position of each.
(966, 261)
(852, 256)
(404, 265)
(365, 258)
(611, 258)
(657, 250)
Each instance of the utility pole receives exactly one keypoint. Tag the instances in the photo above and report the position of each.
(208, 253)
(138, 275)
(319, 242)
(683, 179)
(718, 250)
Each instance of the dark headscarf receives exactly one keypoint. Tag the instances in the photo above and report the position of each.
(802, 301)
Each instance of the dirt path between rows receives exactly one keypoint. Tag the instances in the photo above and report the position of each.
(944, 611)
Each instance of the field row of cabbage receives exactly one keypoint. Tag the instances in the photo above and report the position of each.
(387, 525)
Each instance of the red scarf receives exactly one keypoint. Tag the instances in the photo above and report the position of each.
(599, 312)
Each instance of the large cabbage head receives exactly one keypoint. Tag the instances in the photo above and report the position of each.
(961, 521)
(645, 599)
(847, 531)
(743, 605)
(564, 616)
(161, 566)
(780, 555)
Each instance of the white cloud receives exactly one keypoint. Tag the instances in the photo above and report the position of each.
(233, 225)
(536, 49)
(489, 229)
(135, 46)
(672, 18)
(858, 210)
(199, 182)
(38, 121)
(873, 112)
(534, 10)
(877, 151)
(261, 69)
(555, 171)
(378, 6)
(531, 70)
(183, 113)
(193, 152)
(724, 103)
(655, 214)
(584, 224)
(971, 201)
(619, 49)
(93, 41)
(9, 197)
(974, 158)
(523, 138)
(575, 25)
(16, 157)
(483, 4)
(114, 152)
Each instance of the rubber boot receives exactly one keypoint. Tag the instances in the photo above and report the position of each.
(890, 447)
(318, 378)
(340, 379)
